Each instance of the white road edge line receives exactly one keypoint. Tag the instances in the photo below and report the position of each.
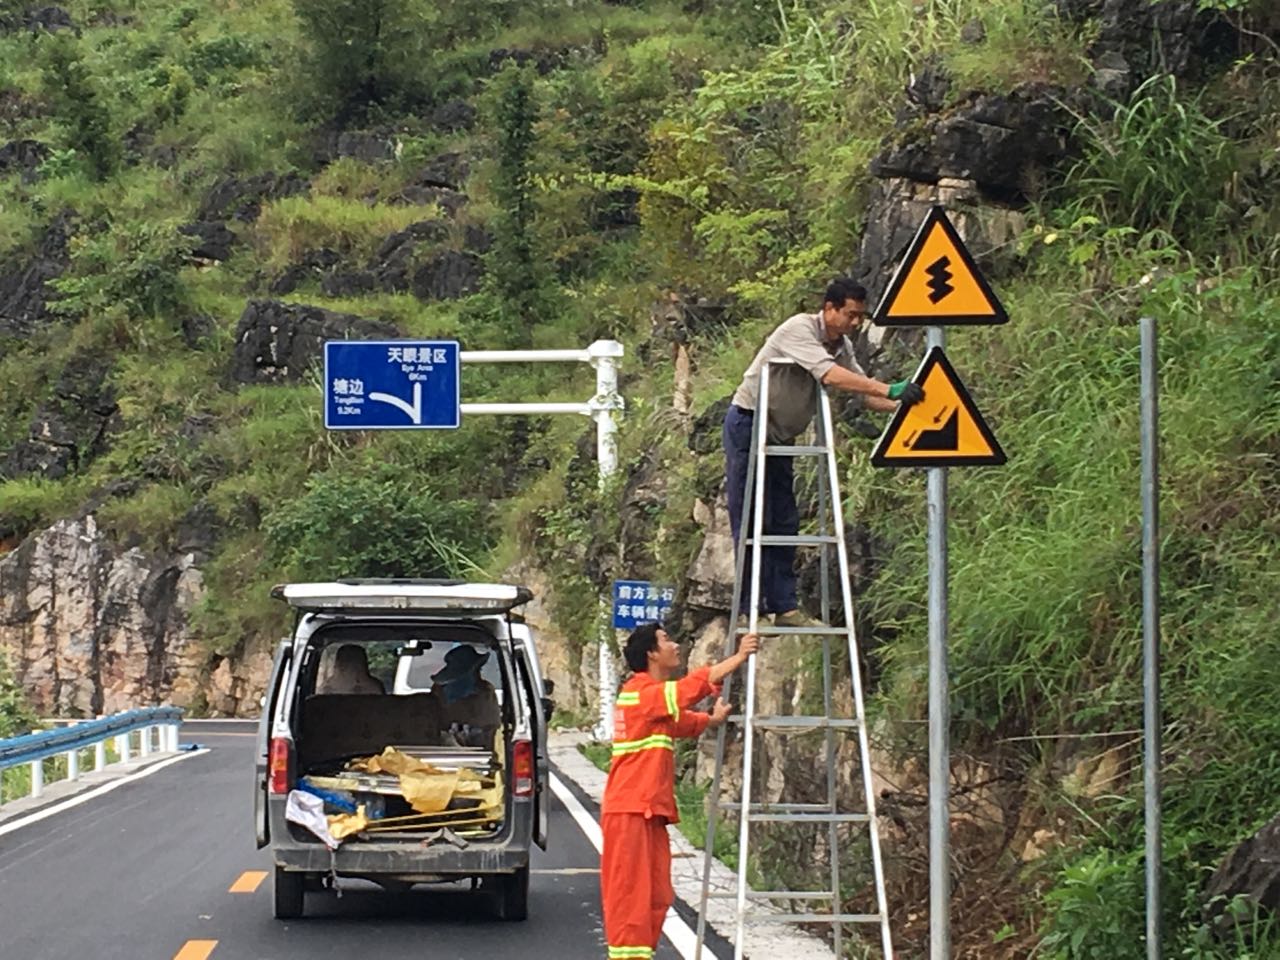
(95, 792)
(674, 928)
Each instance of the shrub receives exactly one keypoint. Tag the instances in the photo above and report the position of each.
(16, 715)
(380, 524)
(1096, 911)
(129, 271)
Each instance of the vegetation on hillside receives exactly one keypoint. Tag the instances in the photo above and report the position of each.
(624, 150)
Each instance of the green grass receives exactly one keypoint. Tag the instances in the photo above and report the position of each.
(351, 227)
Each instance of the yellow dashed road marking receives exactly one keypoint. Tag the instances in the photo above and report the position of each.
(248, 882)
(196, 950)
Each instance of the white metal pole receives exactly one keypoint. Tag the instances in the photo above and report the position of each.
(99, 755)
(73, 764)
(144, 741)
(37, 778)
(604, 356)
(524, 409)
(122, 747)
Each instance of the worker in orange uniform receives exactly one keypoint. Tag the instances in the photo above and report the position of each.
(652, 710)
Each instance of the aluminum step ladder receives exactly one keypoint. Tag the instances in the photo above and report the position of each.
(812, 906)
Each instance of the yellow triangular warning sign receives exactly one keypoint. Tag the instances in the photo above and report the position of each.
(938, 283)
(944, 429)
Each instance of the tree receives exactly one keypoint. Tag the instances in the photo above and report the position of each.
(77, 101)
(364, 52)
(517, 275)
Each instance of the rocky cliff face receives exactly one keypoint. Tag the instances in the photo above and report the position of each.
(89, 629)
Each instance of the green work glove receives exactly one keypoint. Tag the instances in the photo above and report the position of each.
(906, 391)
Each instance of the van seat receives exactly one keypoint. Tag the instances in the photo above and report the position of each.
(336, 725)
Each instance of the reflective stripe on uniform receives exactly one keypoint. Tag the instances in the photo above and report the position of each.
(619, 953)
(659, 741)
(673, 704)
(628, 698)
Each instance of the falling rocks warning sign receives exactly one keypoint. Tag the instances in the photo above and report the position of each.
(944, 429)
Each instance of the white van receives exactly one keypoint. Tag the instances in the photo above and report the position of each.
(378, 663)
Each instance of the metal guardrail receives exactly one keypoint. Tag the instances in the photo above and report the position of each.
(35, 748)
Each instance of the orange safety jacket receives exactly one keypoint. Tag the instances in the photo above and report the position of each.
(648, 715)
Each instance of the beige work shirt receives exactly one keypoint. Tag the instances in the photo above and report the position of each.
(793, 388)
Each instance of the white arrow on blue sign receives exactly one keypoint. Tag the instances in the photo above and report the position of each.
(392, 385)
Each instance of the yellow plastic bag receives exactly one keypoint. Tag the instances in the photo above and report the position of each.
(343, 825)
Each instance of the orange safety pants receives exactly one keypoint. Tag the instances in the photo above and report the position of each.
(635, 883)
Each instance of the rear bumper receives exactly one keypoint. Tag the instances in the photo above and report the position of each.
(506, 853)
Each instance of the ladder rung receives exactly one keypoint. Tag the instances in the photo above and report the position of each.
(777, 450)
(808, 817)
(793, 539)
(799, 723)
(812, 918)
(774, 895)
(734, 805)
(769, 630)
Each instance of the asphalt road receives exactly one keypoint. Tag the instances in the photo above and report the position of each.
(151, 870)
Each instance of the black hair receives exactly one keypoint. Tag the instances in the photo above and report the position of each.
(642, 642)
(842, 289)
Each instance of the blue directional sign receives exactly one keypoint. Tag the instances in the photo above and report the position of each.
(639, 601)
(392, 385)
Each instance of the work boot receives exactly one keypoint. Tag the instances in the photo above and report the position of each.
(795, 618)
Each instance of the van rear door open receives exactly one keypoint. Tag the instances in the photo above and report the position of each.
(269, 701)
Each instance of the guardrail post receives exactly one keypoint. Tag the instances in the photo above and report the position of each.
(122, 747)
(173, 737)
(99, 755)
(73, 764)
(37, 778)
(144, 741)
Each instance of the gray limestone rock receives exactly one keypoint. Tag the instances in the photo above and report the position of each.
(279, 342)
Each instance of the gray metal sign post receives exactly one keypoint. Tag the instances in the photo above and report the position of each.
(1151, 629)
(939, 710)
(938, 284)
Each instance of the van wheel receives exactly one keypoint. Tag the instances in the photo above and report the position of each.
(513, 895)
(288, 889)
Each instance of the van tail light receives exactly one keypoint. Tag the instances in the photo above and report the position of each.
(522, 768)
(278, 767)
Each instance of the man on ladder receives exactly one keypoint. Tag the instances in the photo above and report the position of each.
(782, 390)
(818, 346)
